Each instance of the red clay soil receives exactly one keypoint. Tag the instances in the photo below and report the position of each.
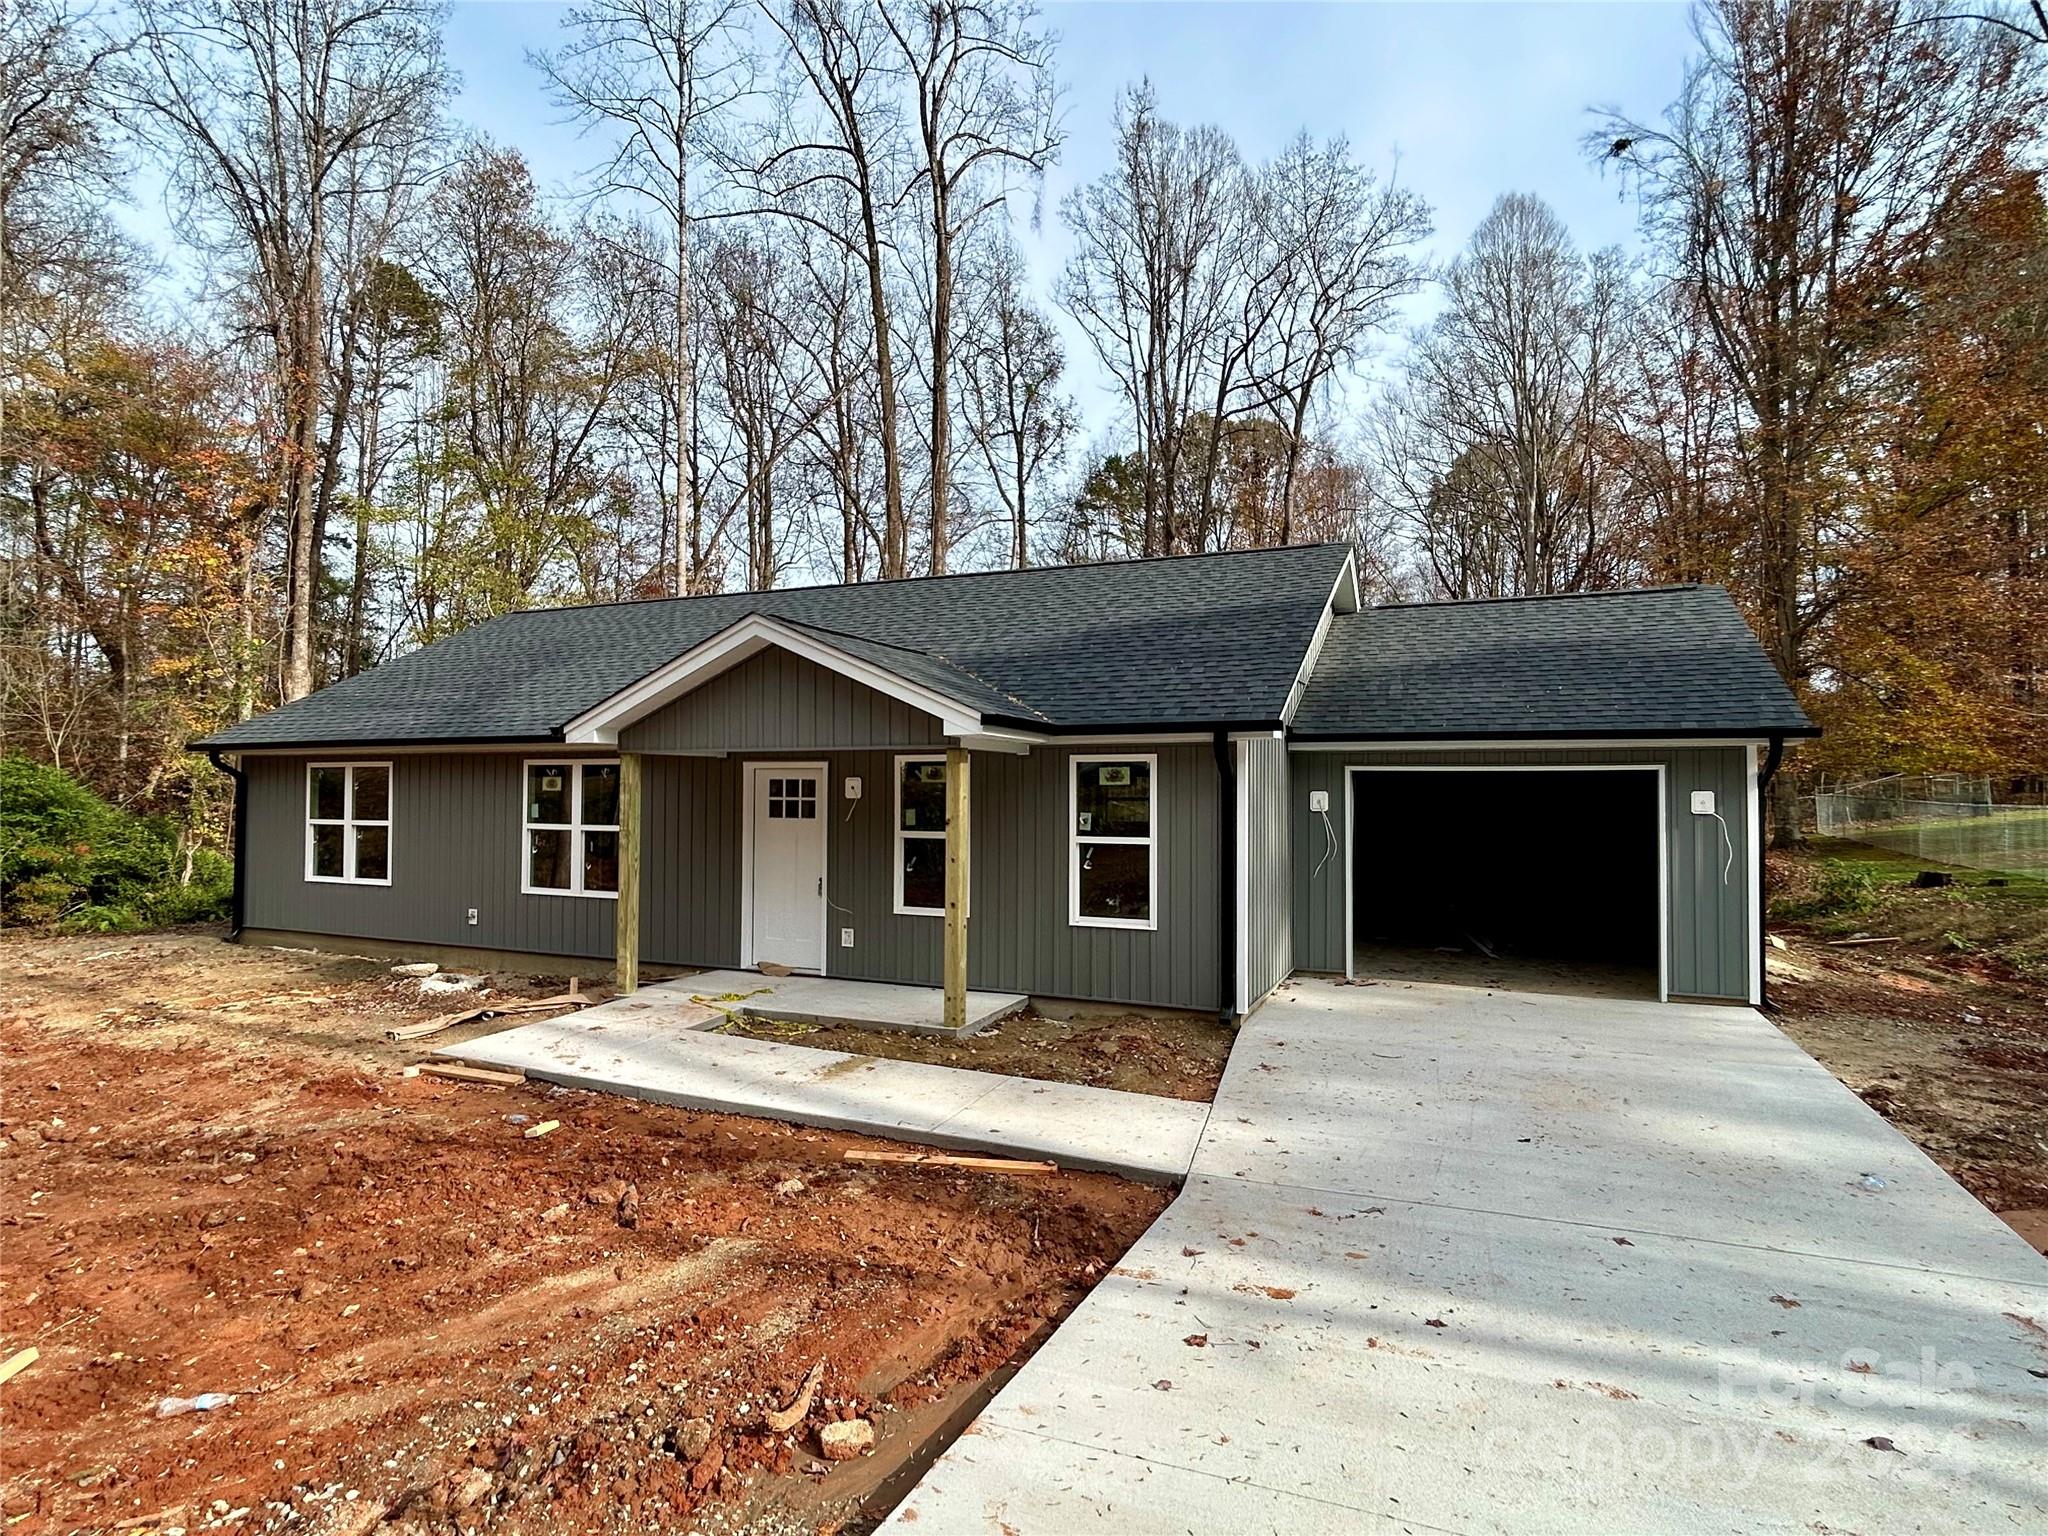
(1952, 1049)
(432, 1321)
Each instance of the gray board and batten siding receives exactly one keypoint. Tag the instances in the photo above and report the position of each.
(457, 840)
(1710, 938)
(1268, 940)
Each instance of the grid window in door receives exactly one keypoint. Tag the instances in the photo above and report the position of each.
(921, 836)
(571, 829)
(348, 823)
(793, 799)
(1114, 849)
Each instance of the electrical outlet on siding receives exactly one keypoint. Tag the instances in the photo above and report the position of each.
(846, 938)
(472, 917)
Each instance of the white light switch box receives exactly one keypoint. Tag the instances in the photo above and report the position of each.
(472, 917)
(1319, 799)
(846, 938)
(852, 788)
(1703, 802)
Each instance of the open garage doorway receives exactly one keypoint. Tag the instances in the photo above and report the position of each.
(1532, 879)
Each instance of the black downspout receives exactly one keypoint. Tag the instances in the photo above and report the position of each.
(1226, 862)
(1763, 960)
(241, 836)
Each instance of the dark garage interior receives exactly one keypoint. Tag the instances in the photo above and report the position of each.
(1542, 880)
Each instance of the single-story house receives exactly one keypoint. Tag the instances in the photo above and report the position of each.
(1167, 783)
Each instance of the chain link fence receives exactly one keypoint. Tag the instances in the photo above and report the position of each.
(1943, 818)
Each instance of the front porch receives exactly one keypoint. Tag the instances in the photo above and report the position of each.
(832, 1001)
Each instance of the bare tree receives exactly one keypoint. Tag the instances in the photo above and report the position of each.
(1151, 282)
(769, 392)
(261, 107)
(1493, 452)
(1816, 152)
(980, 75)
(657, 73)
(838, 150)
(1017, 417)
(1342, 241)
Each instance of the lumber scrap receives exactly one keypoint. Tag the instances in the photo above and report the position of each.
(1846, 943)
(535, 1132)
(951, 1160)
(434, 1026)
(485, 1077)
(18, 1362)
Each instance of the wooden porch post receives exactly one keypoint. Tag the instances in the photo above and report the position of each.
(957, 815)
(626, 944)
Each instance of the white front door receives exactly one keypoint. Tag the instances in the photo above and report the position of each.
(786, 809)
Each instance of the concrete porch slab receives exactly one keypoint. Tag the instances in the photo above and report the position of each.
(634, 1046)
(834, 1000)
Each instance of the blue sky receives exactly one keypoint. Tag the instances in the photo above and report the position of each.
(1463, 100)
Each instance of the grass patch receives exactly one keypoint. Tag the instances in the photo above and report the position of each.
(1839, 889)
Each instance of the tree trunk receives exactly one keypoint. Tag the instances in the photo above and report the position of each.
(685, 467)
(303, 394)
(942, 325)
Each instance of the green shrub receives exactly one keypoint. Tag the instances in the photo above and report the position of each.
(1838, 887)
(1845, 886)
(68, 857)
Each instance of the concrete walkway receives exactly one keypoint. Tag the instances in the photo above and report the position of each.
(1459, 1261)
(652, 1046)
(826, 1000)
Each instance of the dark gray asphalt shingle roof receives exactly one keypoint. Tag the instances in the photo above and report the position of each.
(1158, 643)
(1665, 661)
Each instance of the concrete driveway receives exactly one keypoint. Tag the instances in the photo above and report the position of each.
(1463, 1261)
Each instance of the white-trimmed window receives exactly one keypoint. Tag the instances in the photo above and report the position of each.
(1113, 832)
(570, 839)
(348, 823)
(921, 836)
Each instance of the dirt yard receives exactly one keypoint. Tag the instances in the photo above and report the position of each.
(1180, 1057)
(1942, 1027)
(218, 1180)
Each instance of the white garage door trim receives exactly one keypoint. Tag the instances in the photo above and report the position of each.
(1663, 842)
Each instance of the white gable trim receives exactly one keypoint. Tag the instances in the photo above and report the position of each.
(736, 643)
(1343, 598)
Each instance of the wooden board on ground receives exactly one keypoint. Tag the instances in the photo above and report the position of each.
(19, 1361)
(952, 1160)
(487, 1077)
(434, 1026)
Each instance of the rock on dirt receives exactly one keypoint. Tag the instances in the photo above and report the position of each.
(417, 968)
(847, 1439)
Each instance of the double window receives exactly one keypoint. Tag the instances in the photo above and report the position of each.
(348, 823)
(921, 836)
(572, 829)
(1113, 851)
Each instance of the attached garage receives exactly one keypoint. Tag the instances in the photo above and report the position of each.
(1545, 877)
(1558, 792)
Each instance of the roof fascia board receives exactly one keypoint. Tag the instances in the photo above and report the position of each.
(1344, 588)
(736, 643)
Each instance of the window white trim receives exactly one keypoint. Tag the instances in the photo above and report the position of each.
(348, 821)
(575, 826)
(1075, 838)
(896, 846)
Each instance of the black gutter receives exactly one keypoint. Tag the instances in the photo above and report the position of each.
(1763, 942)
(1226, 862)
(235, 902)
